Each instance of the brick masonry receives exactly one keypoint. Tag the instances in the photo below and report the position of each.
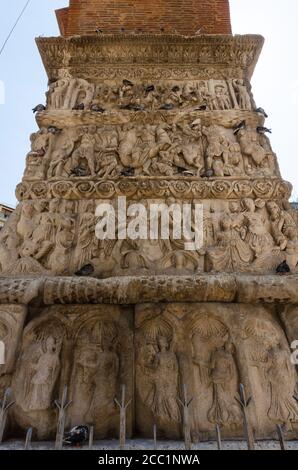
(142, 16)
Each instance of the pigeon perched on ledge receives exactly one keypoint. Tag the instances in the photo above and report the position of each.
(203, 107)
(128, 172)
(263, 130)
(85, 271)
(78, 171)
(261, 111)
(97, 109)
(39, 108)
(79, 107)
(167, 107)
(283, 269)
(240, 126)
(77, 436)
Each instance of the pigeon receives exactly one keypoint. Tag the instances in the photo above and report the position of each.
(76, 436)
(39, 108)
(122, 30)
(175, 88)
(127, 82)
(167, 107)
(128, 172)
(149, 88)
(54, 130)
(261, 111)
(208, 174)
(133, 107)
(240, 126)
(78, 171)
(199, 31)
(99, 31)
(79, 107)
(283, 269)
(184, 171)
(97, 109)
(203, 107)
(263, 130)
(85, 271)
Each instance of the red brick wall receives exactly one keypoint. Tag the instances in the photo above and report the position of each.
(148, 16)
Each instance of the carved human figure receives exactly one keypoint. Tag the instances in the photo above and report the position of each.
(60, 157)
(57, 93)
(163, 396)
(86, 149)
(37, 374)
(257, 236)
(242, 94)
(292, 248)
(224, 380)
(45, 376)
(221, 99)
(59, 258)
(192, 148)
(256, 156)
(25, 225)
(9, 252)
(232, 253)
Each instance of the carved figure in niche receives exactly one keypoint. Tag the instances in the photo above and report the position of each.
(257, 236)
(57, 93)
(95, 372)
(281, 377)
(256, 158)
(204, 95)
(86, 149)
(207, 333)
(163, 396)
(224, 380)
(132, 256)
(37, 374)
(45, 376)
(242, 94)
(221, 99)
(60, 157)
(232, 253)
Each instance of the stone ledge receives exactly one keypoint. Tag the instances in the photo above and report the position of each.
(226, 288)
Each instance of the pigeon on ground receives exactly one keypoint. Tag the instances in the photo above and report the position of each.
(261, 111)
(54, 130)
(78, 171)
(79, 107)
(167, 107)
(283, 269)
(128, 172)
(97, 109)
(39, 108)
(263, 130)
(76, 436)
(240, 126)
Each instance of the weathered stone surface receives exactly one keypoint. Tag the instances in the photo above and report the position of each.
(160, 119)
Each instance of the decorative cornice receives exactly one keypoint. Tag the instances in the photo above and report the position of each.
(155, 187)
(227, 288)
(215, 50)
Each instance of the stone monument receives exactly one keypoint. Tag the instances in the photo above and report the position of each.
(150, 101)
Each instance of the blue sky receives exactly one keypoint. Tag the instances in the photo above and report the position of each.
(275, 83)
